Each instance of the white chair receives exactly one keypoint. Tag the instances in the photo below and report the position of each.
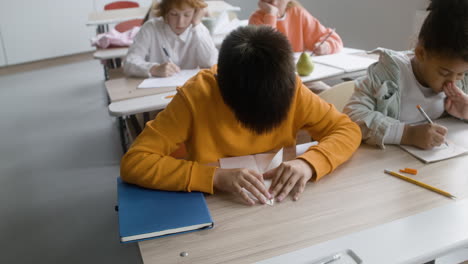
(339, 94)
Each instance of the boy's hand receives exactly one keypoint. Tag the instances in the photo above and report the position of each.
(268, 8)
(164, 70)
(290, 177)
(456, 103)
(424, 136)
(235, 180)
(198, 15)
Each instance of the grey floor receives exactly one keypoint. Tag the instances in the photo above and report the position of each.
(59, 159)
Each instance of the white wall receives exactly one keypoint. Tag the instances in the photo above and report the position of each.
(34, 30)
(247, 7)
(368, 24)
(2, 53)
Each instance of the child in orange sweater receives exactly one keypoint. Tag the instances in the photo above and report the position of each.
(252, 103)
(303, 30)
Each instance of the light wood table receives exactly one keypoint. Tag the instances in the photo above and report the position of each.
(357, 196)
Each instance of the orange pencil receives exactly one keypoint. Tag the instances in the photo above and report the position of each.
(169, 96)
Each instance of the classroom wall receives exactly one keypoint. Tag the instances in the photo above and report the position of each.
(34, 30)
(368, 24)
(2, 51)
(247, 7)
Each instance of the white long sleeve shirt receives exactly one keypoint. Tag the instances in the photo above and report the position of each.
(190, 50)
(413, 94)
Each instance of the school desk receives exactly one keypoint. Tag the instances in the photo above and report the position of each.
(102, 19)
(126, 99)
(111, 59)
(358, 207)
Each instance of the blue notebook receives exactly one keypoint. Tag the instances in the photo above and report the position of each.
(146, 214)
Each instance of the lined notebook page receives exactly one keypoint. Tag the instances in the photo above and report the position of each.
(457, 140)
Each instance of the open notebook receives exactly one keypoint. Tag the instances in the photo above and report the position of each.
(457, 143)
(169, 82)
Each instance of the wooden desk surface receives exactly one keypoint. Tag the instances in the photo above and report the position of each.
(126, 88)
(358, 195)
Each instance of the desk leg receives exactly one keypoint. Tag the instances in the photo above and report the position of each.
(135, 124)
(106, 71)
(100, 29)
(146, 117)
(123, 141)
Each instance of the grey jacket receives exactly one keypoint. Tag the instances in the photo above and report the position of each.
(375, 103)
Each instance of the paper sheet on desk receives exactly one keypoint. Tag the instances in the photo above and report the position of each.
(346, 62)
(457, 140)
(260, 163)
(438, 153)
(302, 148)
(176, 80)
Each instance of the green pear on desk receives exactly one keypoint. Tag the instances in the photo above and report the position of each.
(305, 65)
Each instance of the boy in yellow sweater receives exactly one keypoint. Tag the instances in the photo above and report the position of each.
(252, 103)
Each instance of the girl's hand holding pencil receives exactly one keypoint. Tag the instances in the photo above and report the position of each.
(164, 70)
(424, 136)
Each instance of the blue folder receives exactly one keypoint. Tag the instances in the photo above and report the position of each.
(146, 213)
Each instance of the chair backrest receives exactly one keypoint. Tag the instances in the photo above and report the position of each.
(129, 24)
(339, 94)
(120, 5)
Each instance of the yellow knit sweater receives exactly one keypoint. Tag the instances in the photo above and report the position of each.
(199, 117)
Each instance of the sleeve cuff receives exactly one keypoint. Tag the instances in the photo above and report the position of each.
(202, 178)
(270, 20)
(394, 133)
(318, 162)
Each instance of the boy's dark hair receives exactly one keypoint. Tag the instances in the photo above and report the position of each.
(256, 76)
(445, 30)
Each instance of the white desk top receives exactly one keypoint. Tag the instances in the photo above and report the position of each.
(348, 208)
(112, 53)
(140, 104)
(418, 238)
(348, 62)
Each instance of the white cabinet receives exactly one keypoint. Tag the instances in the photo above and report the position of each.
(34, 30)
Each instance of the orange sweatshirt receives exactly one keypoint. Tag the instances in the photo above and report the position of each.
(199, 117)
(300, 27)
